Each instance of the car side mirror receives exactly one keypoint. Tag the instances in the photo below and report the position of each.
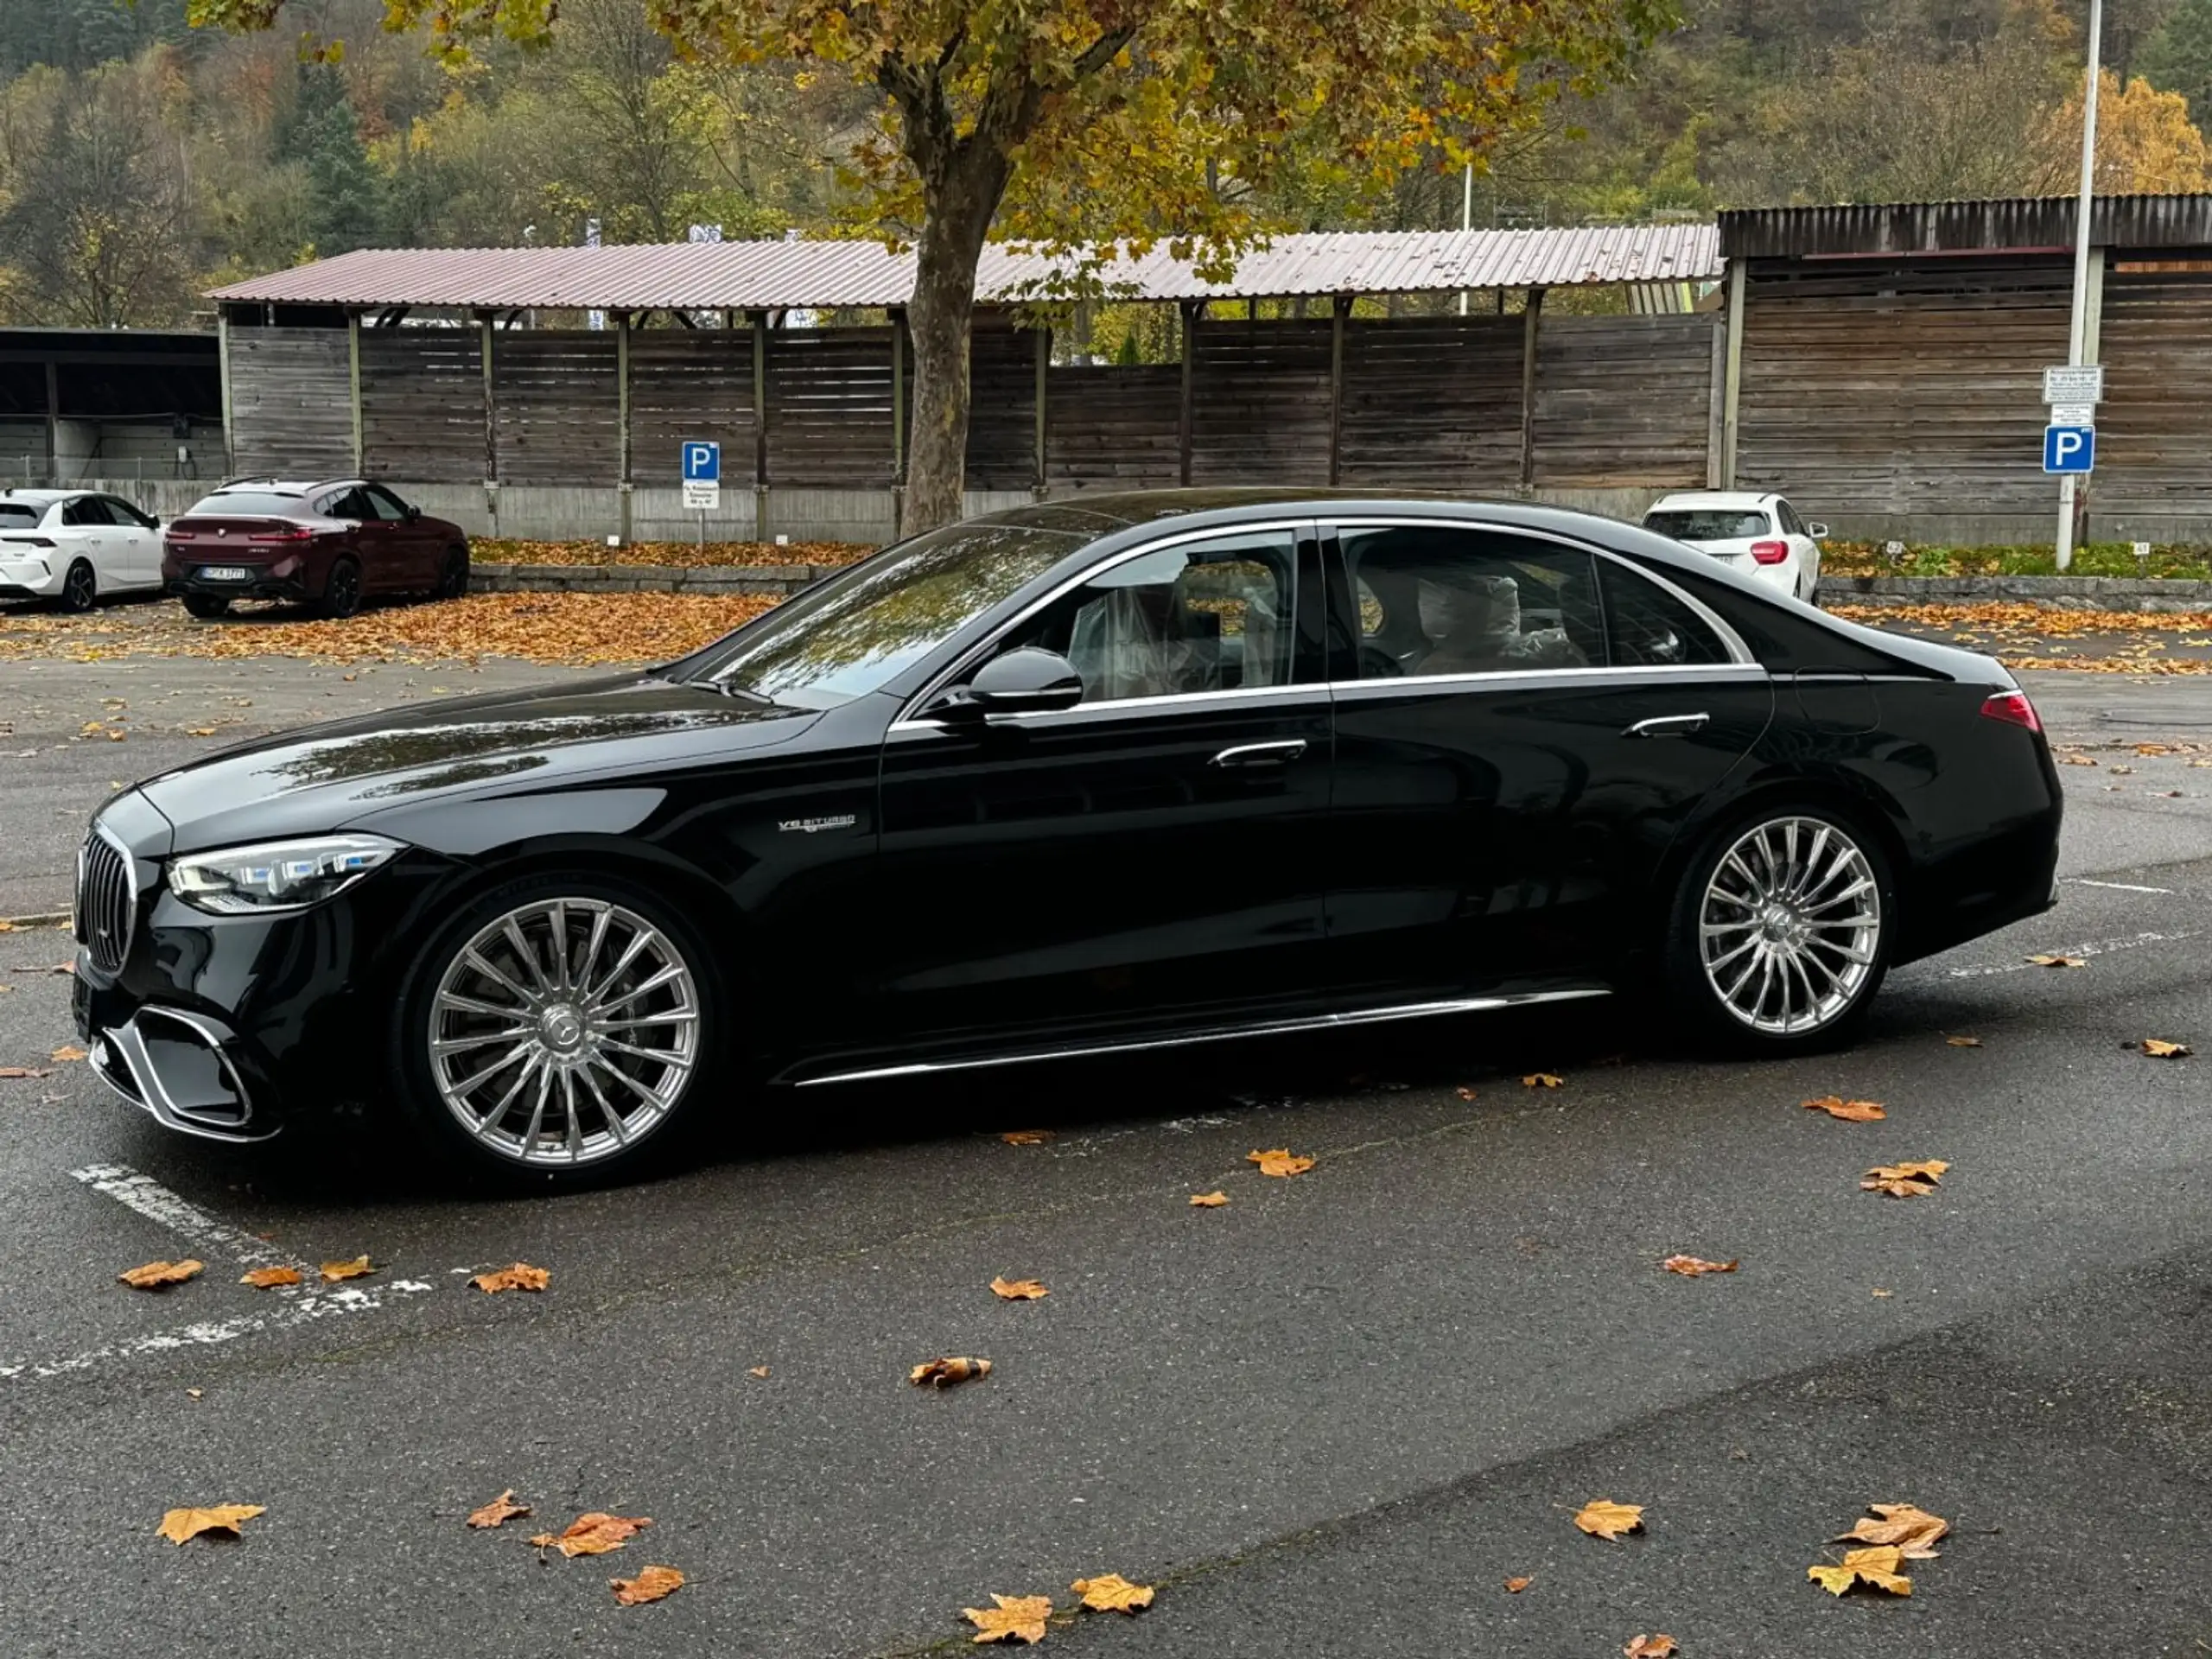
(413, 512)
(1024, 682)
(1817, 531)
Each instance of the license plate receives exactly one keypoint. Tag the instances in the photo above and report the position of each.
(222, 573)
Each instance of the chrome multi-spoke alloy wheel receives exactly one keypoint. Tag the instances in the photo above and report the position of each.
(564, 1032)
(1790, 926)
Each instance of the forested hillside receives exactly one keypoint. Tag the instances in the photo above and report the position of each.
(141, 159)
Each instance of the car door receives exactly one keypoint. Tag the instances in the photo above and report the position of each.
(138, 548)
(85, 533)
(1148, 860)
(371, 538)
(415, 548)
(1527, 725)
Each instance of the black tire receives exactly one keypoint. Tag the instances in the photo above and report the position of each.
(497, 1153)
(342, 591)
(81, 589)
(452, 582)
(1817, 937)
(207, 607)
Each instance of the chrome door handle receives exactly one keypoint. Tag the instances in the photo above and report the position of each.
(1260, 755)
(1669, 726)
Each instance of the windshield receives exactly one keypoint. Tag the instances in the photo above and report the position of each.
(1708, 523)
(851, 635)
(258, 504)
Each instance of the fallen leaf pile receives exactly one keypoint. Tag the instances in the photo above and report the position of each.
(521, 1276)
(592, 1533)
(1015, 1619)
(180, 1526)
(1603, 1518)
(1905, 1180)
(2027, 636)
(678, 555)
(160, 1275)
(1281, 1162)
(1851, 1111)
(1893, 1534)
(944, 1373)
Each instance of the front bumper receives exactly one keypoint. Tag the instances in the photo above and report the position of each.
(183, 1069)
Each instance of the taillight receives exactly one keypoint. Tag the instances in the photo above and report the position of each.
(2013, 709)
(296, 534)
(184, 535)
(1770, 552)
(30, 541)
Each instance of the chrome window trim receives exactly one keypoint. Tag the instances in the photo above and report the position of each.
(1731, 640)
(1315, 690)
(906, 717)
(1510, 679)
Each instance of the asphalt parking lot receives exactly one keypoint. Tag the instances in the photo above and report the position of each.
(1332, 1416)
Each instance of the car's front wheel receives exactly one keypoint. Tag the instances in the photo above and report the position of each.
(453, 580)
(560, 1031)
(1781, 931)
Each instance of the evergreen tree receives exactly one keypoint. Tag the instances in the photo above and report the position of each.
(2178, 58)
(322, 133)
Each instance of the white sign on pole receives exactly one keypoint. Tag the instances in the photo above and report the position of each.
(702, 495)
(2073, 415)
(2083, 382)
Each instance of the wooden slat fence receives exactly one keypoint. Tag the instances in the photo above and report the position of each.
(423, 404)
(1113, 429)
(685, 385)
(1432, 402)
(1002, 409)
(1623, 400)
(2154, 428)
(556, 396)
(830, 407)
(291, 406)
(1260, 402)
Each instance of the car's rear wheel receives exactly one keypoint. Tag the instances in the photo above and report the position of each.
(562, 1030)
(80, 587)
(1781, 931)
(207, 607)
(341, 590)
(452, 582)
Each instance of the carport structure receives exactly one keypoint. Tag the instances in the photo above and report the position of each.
(463, 375)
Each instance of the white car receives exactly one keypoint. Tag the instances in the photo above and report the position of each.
(1760, 535)
(74, 547)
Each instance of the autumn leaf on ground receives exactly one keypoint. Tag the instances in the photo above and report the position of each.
(758, 1370)
(943, 1373)
(160, 1275)
(1651, 1647)
(1109, 1593)
(1541, 1080)
(271, 1278)
(1017, 1290)
(199, 731)
(1016, 1618)
(1025, 1137)
(521, 1276)
(1851, 1111)
(499, 1510)
(2053, 959)
(1208, 1200)
(1690, 1266)
(1964, 1042)
(1280, 1161)
(1905, 1180)
(67, 1052)
(593, 1533)
(1466, 1094)
(1878, 1566)
(2077, 760)
(334, 1271)
(1603, 1518)
(180, 1525)
(1515, 1587)
(651, 1583)
(1912, 1529)
(2158, 1049)
(14, 1073)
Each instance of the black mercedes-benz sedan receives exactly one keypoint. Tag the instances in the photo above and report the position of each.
(1071, 780)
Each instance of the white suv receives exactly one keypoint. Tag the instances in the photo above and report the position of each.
(73, 546)
(1760, 535)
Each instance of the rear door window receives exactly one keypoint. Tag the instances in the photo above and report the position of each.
(1449, 599)
(86, 511)
(1648, 627)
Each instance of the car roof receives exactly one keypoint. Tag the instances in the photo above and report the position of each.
(293, 486)
(43, 497)
(1713, 500)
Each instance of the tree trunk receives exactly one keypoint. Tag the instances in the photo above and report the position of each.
(959, 217)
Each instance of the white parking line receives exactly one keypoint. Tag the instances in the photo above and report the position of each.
(293, 1306)
(2116, 887)
(2096, 948)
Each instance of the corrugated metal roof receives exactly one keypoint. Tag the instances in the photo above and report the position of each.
(2011, 224)
(780, 276)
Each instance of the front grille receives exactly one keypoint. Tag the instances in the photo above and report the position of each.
(104, 904)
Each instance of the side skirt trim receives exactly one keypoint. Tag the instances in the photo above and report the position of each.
(1271, 1028)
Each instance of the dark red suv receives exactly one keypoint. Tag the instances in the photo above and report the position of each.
(332, 543)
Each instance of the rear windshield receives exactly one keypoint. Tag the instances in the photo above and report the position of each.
(1707, 524)
(17, 515)
(258, 504)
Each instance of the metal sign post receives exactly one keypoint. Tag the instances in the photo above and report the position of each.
(703, 479)
(2077, 334)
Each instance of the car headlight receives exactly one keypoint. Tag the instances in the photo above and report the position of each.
(276, 875)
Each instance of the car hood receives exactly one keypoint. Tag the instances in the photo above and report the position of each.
(343, 773)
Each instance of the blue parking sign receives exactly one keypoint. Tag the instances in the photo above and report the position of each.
(2068, 449)
(702, 461)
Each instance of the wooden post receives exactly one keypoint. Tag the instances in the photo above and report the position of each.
(1044, 354)
(1530, 318)
(1716, 404)
(491, 401)
(624, 460)
(353, 384)
(759, 426)
(2093, 315)
(1732, 425)
(1339, 310)
(223, 375)
(1192, 310)
(53, 420)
